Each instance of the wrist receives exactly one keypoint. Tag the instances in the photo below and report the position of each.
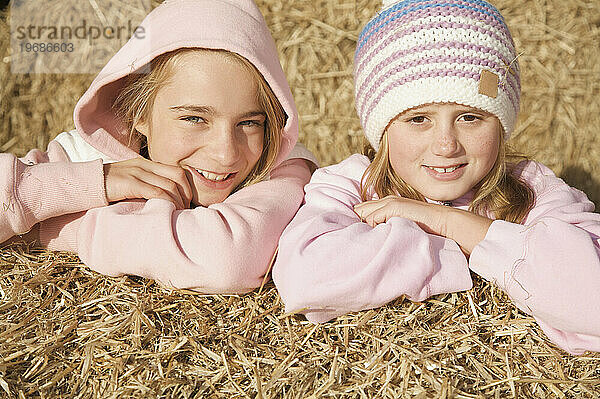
(452, 220)
(466, 228)
(436, 220)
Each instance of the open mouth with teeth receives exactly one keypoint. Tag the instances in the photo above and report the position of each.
(445, 170)
(214, 176)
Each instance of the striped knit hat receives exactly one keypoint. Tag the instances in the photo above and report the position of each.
(417, 52)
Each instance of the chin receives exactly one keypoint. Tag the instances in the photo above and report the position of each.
(444, 196)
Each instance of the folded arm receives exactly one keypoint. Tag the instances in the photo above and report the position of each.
(331, 263)
(550, 266)
(223, 248)
(42, 185)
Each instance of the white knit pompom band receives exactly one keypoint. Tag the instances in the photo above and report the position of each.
(417, 52)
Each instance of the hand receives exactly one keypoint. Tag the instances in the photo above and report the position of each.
(141, 178)
(430, 217)
(464, 227)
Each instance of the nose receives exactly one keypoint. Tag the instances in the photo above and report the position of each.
(445, 142)
(225, 146)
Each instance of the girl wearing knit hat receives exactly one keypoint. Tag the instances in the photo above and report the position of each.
(440, 195)
(196, 116)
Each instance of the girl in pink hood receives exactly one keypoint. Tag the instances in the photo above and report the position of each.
(440, 196)
(195, 114)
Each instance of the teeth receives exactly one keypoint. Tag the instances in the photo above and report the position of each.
(212, 176)
(444, 170)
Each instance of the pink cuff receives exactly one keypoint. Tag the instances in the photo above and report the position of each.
(58, 188)
(497, 258)
(60, 233)
(454, 274)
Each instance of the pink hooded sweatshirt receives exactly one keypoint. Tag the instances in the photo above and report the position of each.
(224, 248)
(330, 263)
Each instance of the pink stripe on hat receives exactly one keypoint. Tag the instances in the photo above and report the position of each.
(487, 53)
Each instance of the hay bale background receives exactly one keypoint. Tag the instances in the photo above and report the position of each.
(66, 331)
(559, 121)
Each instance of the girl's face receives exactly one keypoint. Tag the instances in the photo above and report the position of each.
(208, 121)
(443, 150)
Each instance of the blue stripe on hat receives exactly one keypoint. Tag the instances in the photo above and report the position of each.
(486, 10)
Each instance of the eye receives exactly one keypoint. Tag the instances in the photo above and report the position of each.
(419, 119)
(252, 123)
(193, 119)
(469, 118)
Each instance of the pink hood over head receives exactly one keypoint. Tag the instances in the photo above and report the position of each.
(233, 25)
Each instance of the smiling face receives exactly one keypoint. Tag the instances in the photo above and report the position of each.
(207, 120)
(443, 150)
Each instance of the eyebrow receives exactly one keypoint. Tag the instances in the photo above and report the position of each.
(204, 109)
(193, 108)
(250, 114)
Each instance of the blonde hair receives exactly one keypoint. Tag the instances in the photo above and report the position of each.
(499, 194)
(135, 100)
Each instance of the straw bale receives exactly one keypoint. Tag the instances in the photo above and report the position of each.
(66, 331)
(69, 332)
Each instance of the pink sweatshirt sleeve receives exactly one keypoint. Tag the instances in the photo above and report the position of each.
(550, 266)
(330, 263)
(223, 248)
(43, 185)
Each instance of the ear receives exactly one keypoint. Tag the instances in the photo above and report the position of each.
(142, 127)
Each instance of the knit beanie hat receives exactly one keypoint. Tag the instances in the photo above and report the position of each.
(417, 52)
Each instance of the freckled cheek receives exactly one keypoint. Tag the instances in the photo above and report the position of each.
(406, 158)
(407, 152)
(485, 149)
(255, 148)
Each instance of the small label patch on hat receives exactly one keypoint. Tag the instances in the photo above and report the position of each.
(488, 83)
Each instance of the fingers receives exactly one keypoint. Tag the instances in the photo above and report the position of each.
(369, 214)
(172, 173)
(376, 217)
(150, 185)
(366, 208)
(141, 178)
(176, 175)
(378, 211)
